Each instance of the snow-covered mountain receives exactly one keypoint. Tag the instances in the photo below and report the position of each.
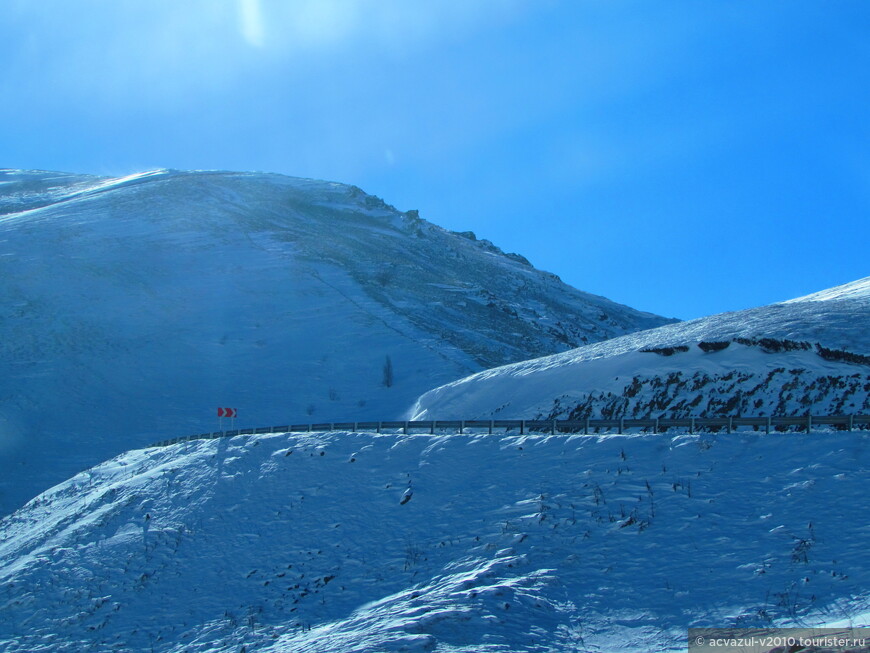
(355, 542)
(132, 308)
(810, 354)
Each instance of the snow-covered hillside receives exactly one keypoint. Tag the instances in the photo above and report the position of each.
(354, 542)
(131, 309)
(809, 354)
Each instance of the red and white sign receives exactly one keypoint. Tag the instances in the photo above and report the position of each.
(227, 412)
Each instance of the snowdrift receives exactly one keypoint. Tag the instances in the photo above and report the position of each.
(355, 542)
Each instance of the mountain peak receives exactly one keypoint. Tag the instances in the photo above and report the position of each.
(131, 307)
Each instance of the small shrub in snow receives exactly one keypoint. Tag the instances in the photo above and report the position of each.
(665, 351)
(839, 355)
(709, 347)
(387, 380)
(774, 345)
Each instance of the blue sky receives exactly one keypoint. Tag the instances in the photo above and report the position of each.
(684, 158)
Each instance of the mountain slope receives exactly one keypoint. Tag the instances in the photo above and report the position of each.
(355, 542)
(809, 354)
(130, 309)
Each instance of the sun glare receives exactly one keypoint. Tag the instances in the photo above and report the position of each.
(251, 22)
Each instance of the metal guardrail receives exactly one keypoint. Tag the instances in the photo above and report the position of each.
(586, 426)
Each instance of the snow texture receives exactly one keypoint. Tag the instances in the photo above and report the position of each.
(356, 542)
(132, 308)
(807, 355)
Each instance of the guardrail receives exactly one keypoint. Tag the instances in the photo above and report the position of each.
(585, 426)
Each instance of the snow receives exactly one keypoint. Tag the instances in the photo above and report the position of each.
(352, 542)
(859, 289)
(618, 378)
(131, 308)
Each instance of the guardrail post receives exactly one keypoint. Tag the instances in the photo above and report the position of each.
(491, 422)
(622, 425)
(767, 426)
(809, 422)
(586, 427)
(851, 421)
(692, 426)
(657, 427)
(730, 424)
(461, 425)
(432, 427)
(522, 426)
(553, 428)
(379, 427)
(355, 427)
(405, 428)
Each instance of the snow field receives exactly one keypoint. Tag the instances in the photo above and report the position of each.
(130, 309)
(346, 542)
(763, 369)
(740, 380)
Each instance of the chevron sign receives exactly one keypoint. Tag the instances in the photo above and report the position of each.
(227, 412)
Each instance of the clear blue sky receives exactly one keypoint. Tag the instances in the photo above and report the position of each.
(684, 158)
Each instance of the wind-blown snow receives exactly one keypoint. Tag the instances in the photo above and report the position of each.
(855, 290)
(751, 375)
(131, 308)
(354, 542)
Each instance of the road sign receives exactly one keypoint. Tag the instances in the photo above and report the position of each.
(227, 412)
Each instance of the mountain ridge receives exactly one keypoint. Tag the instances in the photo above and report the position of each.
(132, 307)
(805, 355)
